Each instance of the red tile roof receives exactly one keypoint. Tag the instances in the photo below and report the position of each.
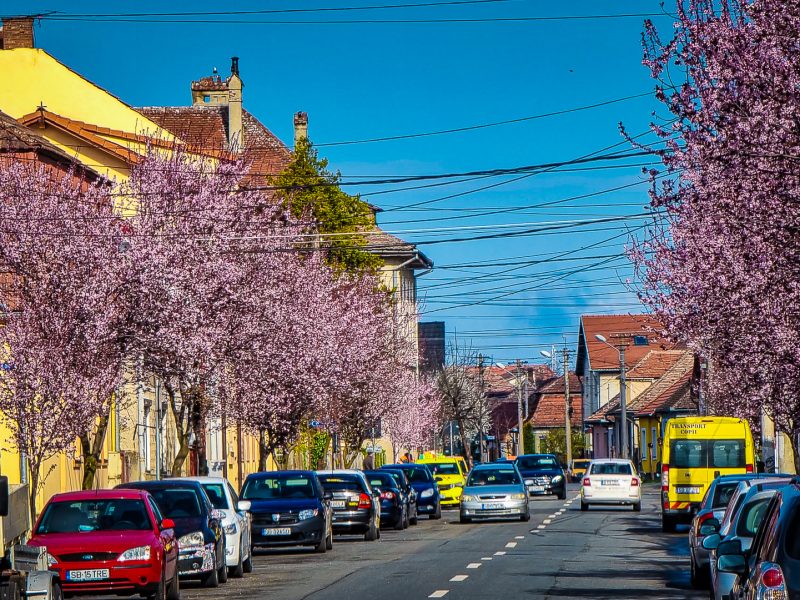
(602, 357)
(550, 410)
(556, 385)
(671, 392)
(655, 363)
(603, 413)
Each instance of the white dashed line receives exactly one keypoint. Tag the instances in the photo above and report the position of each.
(511, 545)
(474, 566)
(500, 553)
(551, 517)
(541, 526)
(547, 521)
(486, 558)
(519, 537)
(439, 594)
(459, 578)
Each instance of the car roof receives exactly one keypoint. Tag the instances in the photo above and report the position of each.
(340, 472)
(404, 466)
(540, 454)
(104, 494)
(611, 460)
(291, 472)
(180, 482)
(495, 466)
(200, 479)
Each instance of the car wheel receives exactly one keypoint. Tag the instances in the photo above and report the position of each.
(415, 519)
(160, 593)
(407, 520)
(584, 506)
(401, 521)
(637, 507)
(247, 564)
(57, 593)
(222, 572)
(464, 519)
(329, 541)
(322, 547)
(212, 579)
(526, 516)
(174, 588)
(562, 495)
(238, 570)
(372, 533)
(438, 513)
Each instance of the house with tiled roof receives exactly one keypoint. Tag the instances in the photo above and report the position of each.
(550, 412)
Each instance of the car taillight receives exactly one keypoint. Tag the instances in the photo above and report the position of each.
(665, 478)
(700, 520)
(387, 495)
(634, 482)
(772, 577)
(364, 501)
(748, 468)
(587, 482)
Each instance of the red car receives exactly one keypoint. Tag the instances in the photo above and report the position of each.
(110, 541)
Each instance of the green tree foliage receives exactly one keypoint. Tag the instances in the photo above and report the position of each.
(311, 192)
(553, 443)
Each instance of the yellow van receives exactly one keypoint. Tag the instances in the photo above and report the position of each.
(694, 451)
(450, 473)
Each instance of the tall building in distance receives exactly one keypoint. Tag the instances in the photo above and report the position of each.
(431, 346)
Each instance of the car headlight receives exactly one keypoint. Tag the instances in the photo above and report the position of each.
(230, 529)
(518, 496)
(139, 553)
(191, 539)
(426, 493)
(468, 498)
(307, 514)
(51, 560)
(556, 479)
(529, 482)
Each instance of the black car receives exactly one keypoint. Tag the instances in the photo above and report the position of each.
(356, 506)
(542, 475)
(288, 508)
(771, 569)
(409, 493)
(423, 483)
(198, 527)
(394, 506)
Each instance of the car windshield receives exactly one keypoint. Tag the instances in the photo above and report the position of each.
(176, 503)
(95, 515)
(750, 517)
(493, 477)
(706, 454)
(536, 462)
(216, 493)
(399, 478)
(342, 483)
(444, 468)
(723, 493)
(277, 486)
(418, 474)
(579, 463)
(611, 468)
(381, 481)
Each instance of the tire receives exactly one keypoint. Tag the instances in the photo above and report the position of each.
(584, 507)
(174, 588)
(667, 524)
(415, 519)
(437, 514)
(238, 570)
(526, 517)
(637, 507)
(160, 593)
(59, 595)
(562, 495)
(407, 521)
(401, 522)
(372, 533)
(322, 547)
(212, 579)
(464, 519)
(222, 572)
(247, 564)
(329, 541)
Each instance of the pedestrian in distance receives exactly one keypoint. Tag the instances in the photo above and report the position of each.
(369, 461)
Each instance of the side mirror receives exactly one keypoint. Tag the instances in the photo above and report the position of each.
(730, 547)
(711, 542)
(709, 527)
(732, 563)
(167, 524)
(3, 496)
(327, 496)
(243, 505)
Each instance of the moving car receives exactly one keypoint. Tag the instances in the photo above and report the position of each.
(356, 506)
(427, 491)
(201, 541)
(494, 490)
(288, 508)
(409, 493)
(748, 511)
(578, 469)
(394, 506)
(235, 524)
(611, 481)
(542, 474)
(450, 474)
(695, 451)
(109, 541)
(770, 569)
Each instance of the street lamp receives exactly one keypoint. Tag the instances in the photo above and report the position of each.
(518, 385)
(567, 406)
(622, 401)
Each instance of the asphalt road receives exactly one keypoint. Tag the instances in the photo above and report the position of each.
(560, 553)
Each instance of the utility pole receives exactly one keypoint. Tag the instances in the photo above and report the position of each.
(567, 411)
(482, 401)
(623, 405)
(158, 429)
(520, 436)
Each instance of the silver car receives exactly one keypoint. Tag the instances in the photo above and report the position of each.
(494, 490)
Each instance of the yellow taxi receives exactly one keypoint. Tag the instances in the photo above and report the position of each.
(578, 468)
(694, 452)
(450, 473)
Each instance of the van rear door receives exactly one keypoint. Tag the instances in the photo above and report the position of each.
(688, 472)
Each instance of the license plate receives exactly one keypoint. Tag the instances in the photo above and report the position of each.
(277, 531)
(337, 503)
(492, 506)
(87, 575)
(688, 489)
(536, 488)
(609, 482)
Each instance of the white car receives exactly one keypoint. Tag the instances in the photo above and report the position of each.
(611, 481)
(236, 524)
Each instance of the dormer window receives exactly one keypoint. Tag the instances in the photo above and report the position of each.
(206, 98)
(640, 340)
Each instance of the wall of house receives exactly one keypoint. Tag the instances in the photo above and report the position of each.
(600, 447)
(650, 439)
(776, 448)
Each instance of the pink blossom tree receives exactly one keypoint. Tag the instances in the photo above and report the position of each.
(722, 266)
(414, 420)
(61, 347)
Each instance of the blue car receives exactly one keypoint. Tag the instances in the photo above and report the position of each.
(288, 508)
(423, 483)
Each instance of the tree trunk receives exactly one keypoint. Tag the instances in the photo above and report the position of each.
(92, 449)
(33, 490)
(263, 451)
(464, 445)
(795, 451)
(182, 432)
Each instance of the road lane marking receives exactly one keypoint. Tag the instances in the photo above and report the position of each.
(459, 578)
(439, 594)
(519, 537)
(511, 545)
(541, 527)
(474, 566)
(551, 517)
(547, 521)
(486, 558)
(501, 553)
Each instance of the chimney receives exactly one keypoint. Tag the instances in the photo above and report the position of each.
(235, 130)
(300, 127)
(16, 32)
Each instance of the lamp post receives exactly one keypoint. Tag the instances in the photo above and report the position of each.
(567, 405)
(622, 393)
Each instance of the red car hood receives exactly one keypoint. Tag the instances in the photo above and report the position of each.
(92, 541)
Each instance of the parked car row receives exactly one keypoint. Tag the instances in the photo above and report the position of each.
(745, 538)
(145, 537)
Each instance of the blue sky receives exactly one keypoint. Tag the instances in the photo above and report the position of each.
(360, 81)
